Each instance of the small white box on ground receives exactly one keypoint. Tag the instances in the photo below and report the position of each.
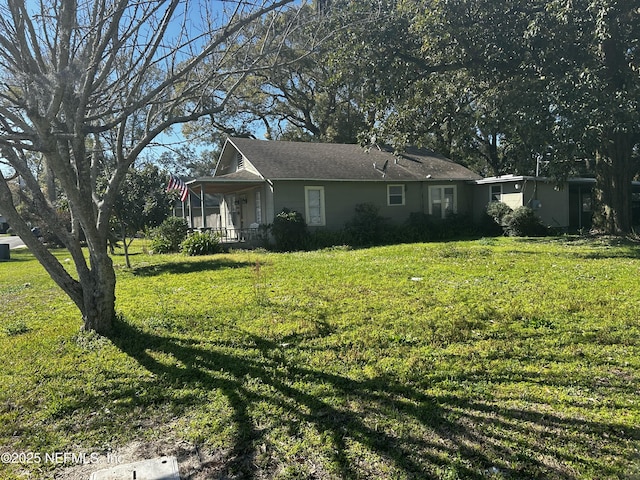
(162, 468)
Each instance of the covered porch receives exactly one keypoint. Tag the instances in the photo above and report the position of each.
(241, 199)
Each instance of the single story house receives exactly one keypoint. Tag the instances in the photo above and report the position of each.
(257, 179)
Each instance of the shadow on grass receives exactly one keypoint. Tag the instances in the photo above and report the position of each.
(604, 247)
(366, 422)
(14, 259)
(176, 267)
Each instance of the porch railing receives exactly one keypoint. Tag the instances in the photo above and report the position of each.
(235, 235)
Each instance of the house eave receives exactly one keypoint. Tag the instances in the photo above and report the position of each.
(376, 180)
(509, 178)
(522, 178)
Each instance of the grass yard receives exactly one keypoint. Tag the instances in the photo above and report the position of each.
(495, 358)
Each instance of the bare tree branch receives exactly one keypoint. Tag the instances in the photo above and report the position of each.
(80, 74)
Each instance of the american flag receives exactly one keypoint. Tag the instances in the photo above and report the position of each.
(176, 183)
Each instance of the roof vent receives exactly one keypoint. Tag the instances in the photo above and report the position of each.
(382, 170)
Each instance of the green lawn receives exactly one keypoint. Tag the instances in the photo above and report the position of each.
(492, 358)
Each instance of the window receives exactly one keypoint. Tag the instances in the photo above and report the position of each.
(314, 206)
(395, 195)
(442, 201)
(495, 193)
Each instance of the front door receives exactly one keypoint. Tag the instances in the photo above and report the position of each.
(580, 207)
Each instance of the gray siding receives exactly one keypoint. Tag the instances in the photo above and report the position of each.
(550, 203)
(341, 198)
(554, 204)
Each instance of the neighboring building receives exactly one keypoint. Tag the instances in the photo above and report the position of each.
(3, 224)
(257, 179)
(550, 202)
(567, 206)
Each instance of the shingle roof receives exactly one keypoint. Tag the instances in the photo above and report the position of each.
(279, 160)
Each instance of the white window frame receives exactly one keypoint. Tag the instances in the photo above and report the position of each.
(443, 213)
(402, 194)
(491, 194)
(323, 221)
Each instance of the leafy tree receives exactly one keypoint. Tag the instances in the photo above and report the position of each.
(315, 94)
(506, 86)
(473, 122)
(189, 162)
(590, 52)
(566, 70)
(142, 204)
(78, 75)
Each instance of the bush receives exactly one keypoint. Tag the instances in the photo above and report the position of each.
(201, 243)
(420, 227)
(367, 226)
(523, 222)
(289, 230)
(169, 235)
(457, 225)
(319, 239)
(497, 211)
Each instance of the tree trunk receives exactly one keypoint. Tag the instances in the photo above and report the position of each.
(125, 245)
(98, 294)
(94, 290)
(612, 195)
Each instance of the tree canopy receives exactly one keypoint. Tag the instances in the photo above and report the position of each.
(505, 86)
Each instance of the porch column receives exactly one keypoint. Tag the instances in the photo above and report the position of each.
(204, 216)
(190, 210)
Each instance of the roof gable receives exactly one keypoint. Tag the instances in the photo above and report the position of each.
(275, 160)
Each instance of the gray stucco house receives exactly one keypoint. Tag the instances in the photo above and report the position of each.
(256, 179)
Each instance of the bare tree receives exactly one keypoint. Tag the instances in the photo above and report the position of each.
(77, 75)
